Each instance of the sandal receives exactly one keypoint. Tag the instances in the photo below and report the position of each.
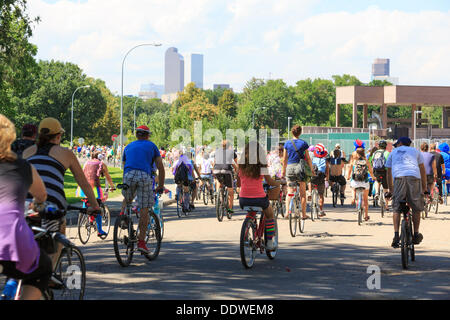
(367, 218)
(306, 218)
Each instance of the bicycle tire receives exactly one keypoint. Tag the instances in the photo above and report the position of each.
(293, 219)
(125, 239)
(334, 195)
(301, 221)
(382, 202)
(247, 246)
(315, 205)
(179, 202)
(106, 221)
(219, 212)
(272, 254)
(412, 251)
(153, 235)
(84, 225)
(205, 195)
(404, 245)
(72, 275)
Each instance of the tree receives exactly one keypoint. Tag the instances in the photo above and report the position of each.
(227, 103)
(16, 54)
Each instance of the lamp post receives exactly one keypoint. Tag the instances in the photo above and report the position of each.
(289, 127)
(134, 128)
(253, 116)
(415, 126)
(71, 118)
(121, 95)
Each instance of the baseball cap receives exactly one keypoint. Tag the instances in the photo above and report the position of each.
(143, 128)
(403, 140)
(337, 145)
(50, 126)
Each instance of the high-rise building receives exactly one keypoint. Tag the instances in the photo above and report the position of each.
(193, 71)
(174, 71)
(221, 86)
(381, 67)
(151, 91)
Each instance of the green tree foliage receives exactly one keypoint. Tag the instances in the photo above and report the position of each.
(16, 54)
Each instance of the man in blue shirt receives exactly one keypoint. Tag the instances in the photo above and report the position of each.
(139, 158)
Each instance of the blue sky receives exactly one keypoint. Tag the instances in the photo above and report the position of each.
(241, 39)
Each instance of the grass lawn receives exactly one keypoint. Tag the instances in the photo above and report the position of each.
(70, 185)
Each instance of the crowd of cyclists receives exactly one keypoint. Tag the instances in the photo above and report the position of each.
(33, 168)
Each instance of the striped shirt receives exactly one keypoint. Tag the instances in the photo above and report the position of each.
(52, 173)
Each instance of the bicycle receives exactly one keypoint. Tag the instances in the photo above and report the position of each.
(433, 205)
(253, 237)
(222, 205)
(183, 200)
(381, 200)
(336, 194)
(294, 217)
(86, 222)
(406, 236)
(126, 235)
(315, 208)
(279, 205)
(204, 191)
(68, 277)
(444, 191)
(359, 206)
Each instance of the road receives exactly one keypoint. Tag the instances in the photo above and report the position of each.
(200, 259)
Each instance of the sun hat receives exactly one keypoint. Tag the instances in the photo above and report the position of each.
(320, 151)
(50, 126)
(359, 144)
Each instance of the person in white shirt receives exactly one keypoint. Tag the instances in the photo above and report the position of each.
(407, 180)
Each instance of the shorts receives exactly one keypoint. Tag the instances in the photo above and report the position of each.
(208, 177)
(254, 202)
(225, 178)
(383, 175)
(140, 184)
(291, 177)
(319, 181)
(360, 184)
(39, 278)
(339, 179)
(409, 188)
(430, 180)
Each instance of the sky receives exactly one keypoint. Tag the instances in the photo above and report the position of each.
(240, 39)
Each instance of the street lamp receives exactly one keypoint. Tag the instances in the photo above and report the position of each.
(415, 126)
(289, 127)
(134, 128)
(253, 116)
(71, 119)
(121, 95)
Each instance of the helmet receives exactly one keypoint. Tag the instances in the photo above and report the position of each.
(382, 144)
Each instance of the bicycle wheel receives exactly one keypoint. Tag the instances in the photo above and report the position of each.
(70, 270)
(106, 220)
(293, 216)
(411, 248)
(123, 240)
(153, 236)
(315, 205)
(179, 202)
(334, 195)
(404, 245)
(301, 221)
(84, 228)
(219, 212)
(272, 254)
(248, 249)
(205, 195)
(226, 206)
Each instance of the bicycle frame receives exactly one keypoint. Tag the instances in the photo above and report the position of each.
(259, 228)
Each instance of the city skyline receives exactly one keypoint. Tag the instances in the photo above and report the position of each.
(289, 40)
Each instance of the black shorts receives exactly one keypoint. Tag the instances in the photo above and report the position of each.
(254, 202)
(225, 178)
(39, 278)
(383, 175)
(339, 179)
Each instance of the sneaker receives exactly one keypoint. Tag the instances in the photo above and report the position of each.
(142, 247)
(270, 245)
(417, 239)
(396, 242)
(322, 214)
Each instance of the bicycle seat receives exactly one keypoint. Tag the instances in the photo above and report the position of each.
(123, 186)
(253, 209)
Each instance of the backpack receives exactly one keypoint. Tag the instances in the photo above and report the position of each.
(181, 174)
(360, 171)
(379, 160)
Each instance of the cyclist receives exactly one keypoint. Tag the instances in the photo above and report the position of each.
(206, 171)
(322, 170)
(224, 163)
(93, 170)
(336, 168)
(444, 148)
(188, 181)
(430, 166)
(51, 162)
(20, 256)
(251, 174)
(358, 144)
(359, 171)
(295, 162)
(29, 133)
(407, 179)
(138, 158)
(378, 160)
(440, 169)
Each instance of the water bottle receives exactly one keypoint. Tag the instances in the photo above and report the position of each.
(10, 290)
(156, 208)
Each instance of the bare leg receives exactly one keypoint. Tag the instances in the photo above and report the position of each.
(143, 223)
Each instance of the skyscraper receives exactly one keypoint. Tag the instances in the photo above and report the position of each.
(174, 71)
(194, 69)
(381, 67)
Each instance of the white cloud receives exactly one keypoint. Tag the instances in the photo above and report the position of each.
(241, 39)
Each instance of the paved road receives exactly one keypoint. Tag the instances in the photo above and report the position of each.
(200, 259)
